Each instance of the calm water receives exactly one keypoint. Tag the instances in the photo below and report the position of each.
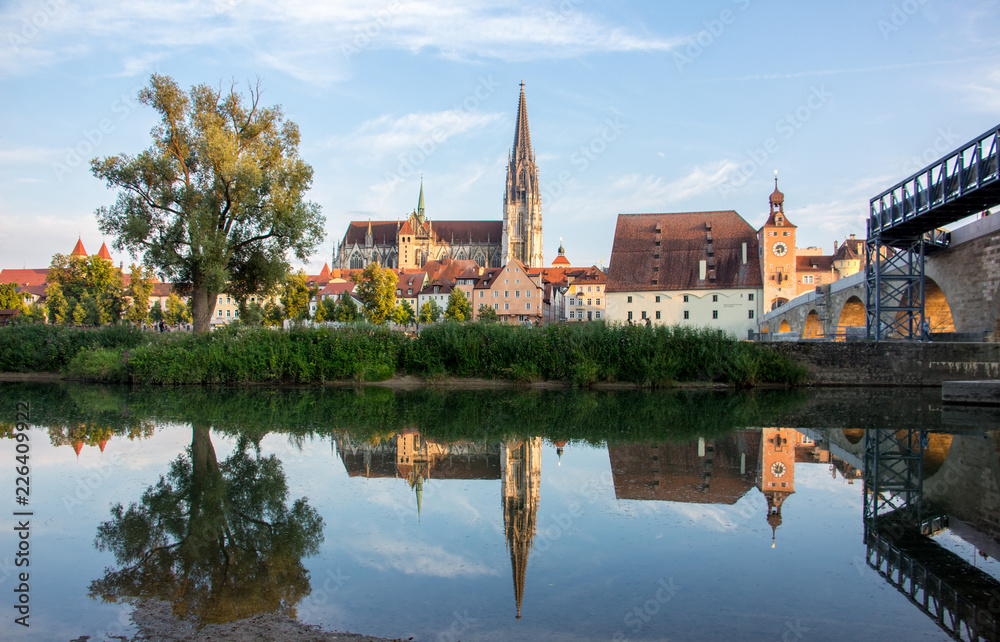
(446, 515)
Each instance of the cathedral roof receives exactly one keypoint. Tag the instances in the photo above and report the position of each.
(680, 241)
(103, 252)
(78, 249)
(468, 231)
(383, 232)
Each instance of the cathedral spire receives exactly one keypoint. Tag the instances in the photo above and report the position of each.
(522, 202)
(522, 137)
(420, 201)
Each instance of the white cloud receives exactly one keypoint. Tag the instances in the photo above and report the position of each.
(413, 132)
(315, 41)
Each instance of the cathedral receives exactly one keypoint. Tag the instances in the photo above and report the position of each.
(410, 243)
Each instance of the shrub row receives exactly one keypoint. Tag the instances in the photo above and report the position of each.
(588, 353)
(582, 354)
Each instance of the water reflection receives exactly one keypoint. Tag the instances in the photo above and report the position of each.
(639, 492)
(217, 541)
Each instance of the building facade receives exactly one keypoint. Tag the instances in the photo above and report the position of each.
(691, 268)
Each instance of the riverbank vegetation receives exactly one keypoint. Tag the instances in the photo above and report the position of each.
(578, 354)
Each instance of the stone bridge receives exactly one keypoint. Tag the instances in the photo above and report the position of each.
(962, 294)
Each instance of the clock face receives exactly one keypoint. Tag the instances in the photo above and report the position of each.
(779, 248)
(778, 469)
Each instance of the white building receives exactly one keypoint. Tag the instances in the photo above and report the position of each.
(691, 268)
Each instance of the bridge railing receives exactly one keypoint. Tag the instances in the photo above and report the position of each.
(969, 167)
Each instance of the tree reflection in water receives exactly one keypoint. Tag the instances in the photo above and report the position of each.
(216, 541)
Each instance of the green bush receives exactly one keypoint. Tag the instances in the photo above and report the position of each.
(41, 347)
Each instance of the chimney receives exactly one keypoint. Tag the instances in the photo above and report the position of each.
(834, 246)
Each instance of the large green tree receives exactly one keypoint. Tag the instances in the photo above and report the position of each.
(140, 286)
(216, 201)
(430, 312)
(296, 296)
(376, 288)
(403, 314)
(91, 282)
(10, 298)
(177, 311)
(459, 308)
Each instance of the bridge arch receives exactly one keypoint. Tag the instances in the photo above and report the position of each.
(784, 327)
(813, 328)
(851, 315)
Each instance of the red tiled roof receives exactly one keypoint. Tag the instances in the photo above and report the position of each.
(162, 289)
(560, 261)
(78, 249)
(336, 289)
(813, 263)
(28, 276)
(851, 250)
(684, 243)
(450, 269)
(411, 279)
(103, 252)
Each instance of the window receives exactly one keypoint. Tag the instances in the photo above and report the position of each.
(808, 278)
(657, 314)
(686, 314)
(496, 293)
(572, 301)
(630, 299)
(496, 306)
(715, 314)
(657, 298)
(527, 294)
(527, 306)
(784, 233)
(229, 313)
(685, 300)
(399, 292)
(517, 281)
(750, 315)
(517, 294)
(715, 297)
(480, 294)
(597, 315)
(597, 302)
(506, 306)
(750, 296)
(220, 313)
(643, 314)
(220, 303)
(506, 294)
(409, 291)
(629, 315)
(228, 300)
(572, 314)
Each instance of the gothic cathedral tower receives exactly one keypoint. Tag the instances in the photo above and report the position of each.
(522, 202)
(777, 253)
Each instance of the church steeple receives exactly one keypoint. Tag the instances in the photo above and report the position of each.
(420, 202)
(522, 202)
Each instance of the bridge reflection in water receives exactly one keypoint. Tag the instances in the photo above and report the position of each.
(898, 525)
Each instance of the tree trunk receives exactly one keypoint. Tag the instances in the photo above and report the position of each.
(202, 305)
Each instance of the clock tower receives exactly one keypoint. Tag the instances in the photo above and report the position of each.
(776, 478)
(777, 253)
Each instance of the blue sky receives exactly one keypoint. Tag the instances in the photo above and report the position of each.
(633, 106)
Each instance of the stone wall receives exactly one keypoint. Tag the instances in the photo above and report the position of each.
(893, 364)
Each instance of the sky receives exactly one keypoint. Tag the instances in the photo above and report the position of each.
(655, 106)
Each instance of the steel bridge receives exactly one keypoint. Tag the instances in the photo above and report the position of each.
(960, 598)
(904, 227)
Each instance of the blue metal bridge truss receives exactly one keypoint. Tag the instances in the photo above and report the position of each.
(904, 227)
